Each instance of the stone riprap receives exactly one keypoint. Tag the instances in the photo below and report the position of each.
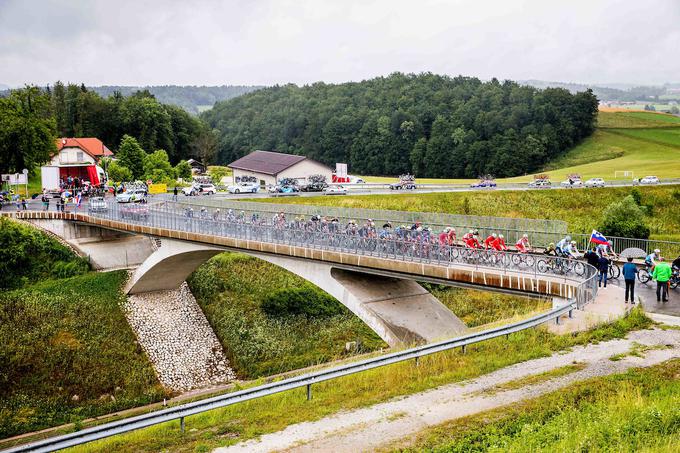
(176, 336)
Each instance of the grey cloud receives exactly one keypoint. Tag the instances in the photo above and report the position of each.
(302, 41)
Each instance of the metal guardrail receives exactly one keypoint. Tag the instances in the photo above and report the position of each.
(305, 380)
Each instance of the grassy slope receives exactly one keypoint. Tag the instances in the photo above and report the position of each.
(643, 142)
(69, 337)
(582, 209)
(231, 288)
(634, 411)
(251, 419)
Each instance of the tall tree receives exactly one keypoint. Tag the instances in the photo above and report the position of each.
(131, 156)
(27, 130)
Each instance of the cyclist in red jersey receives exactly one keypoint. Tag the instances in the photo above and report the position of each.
(471, 240)
(499, 244)
(452, 236)
(523, 245)
(488, 242)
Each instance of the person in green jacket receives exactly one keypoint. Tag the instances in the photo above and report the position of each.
(662, 274)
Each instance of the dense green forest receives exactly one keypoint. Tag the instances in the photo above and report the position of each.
(426, 124)
(190, 98)
(32, 118)
(80, 112)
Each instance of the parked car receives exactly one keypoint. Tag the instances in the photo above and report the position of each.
(572, 183)
(595, 182)
(287, 189)
(97, 204)
(134, 212)
(132, 196)
(335, 190)
(540, 184)
(649, 180)
(484, 184)
(314, 187)
(355, 180)
(406, 185)
(244, 187)
(199, 189)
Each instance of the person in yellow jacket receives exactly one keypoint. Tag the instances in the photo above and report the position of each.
(662, 274)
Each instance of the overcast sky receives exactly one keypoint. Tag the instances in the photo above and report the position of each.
(263, 42)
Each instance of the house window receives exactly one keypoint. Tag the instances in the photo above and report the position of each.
(79, 156)
(64, 156)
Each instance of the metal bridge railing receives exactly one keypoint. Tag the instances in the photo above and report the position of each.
(408, 245)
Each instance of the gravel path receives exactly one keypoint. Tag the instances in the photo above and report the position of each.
(175, 334)
(378, 425)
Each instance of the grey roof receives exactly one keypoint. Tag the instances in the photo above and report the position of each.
(267, 162)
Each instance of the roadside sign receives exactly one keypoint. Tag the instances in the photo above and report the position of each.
(158, 188)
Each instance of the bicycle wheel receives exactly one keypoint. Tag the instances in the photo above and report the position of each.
(579, 268)
(454, 253)
(674, 282)
(542, 266)
(614, 270)
(529, 260)
(516, 259)
(643, 276)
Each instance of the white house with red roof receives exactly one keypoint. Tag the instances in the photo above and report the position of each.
(78, 158)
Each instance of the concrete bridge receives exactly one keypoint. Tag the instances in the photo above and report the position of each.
(378, 284)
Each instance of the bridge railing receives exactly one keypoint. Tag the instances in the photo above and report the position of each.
(413, 246)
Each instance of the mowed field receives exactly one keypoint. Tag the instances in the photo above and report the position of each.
(645, 143)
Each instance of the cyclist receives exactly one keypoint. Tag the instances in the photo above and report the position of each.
(605, 249)
(650, 260)
(489, 241)
(551, 250)
(523, 245)
(471, 241)
(571, 251)
(563, 244)
(499, 244)
(452, 236)
(444, 237)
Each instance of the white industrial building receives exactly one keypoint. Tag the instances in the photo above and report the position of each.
(270, 167)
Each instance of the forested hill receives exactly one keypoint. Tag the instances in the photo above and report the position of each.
(429, 125)
(190, 98)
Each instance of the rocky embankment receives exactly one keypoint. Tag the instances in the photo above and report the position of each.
(175, 334)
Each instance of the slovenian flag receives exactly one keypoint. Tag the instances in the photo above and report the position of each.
(598, 238)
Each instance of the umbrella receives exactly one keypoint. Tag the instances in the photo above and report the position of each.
(633, 252)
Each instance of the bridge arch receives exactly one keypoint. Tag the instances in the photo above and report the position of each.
(400, 311)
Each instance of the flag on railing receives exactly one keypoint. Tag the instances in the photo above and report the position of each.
(79, 198)
(598, 238)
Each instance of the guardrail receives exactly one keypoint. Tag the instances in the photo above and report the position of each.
(305, 380)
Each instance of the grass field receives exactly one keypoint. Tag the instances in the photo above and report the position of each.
(254, 418)
(68, 354)
(646, 143)
(634, 411)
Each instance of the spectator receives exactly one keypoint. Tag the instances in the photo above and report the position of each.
(592, 258)
(662, 274)
(174, 194)
(45, 202)
(23, 204)
(629, 272)
(603, 267)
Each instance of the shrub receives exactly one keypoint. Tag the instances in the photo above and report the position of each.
(28, 255)
(306, 300)
(637, 196)
(624, 218)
